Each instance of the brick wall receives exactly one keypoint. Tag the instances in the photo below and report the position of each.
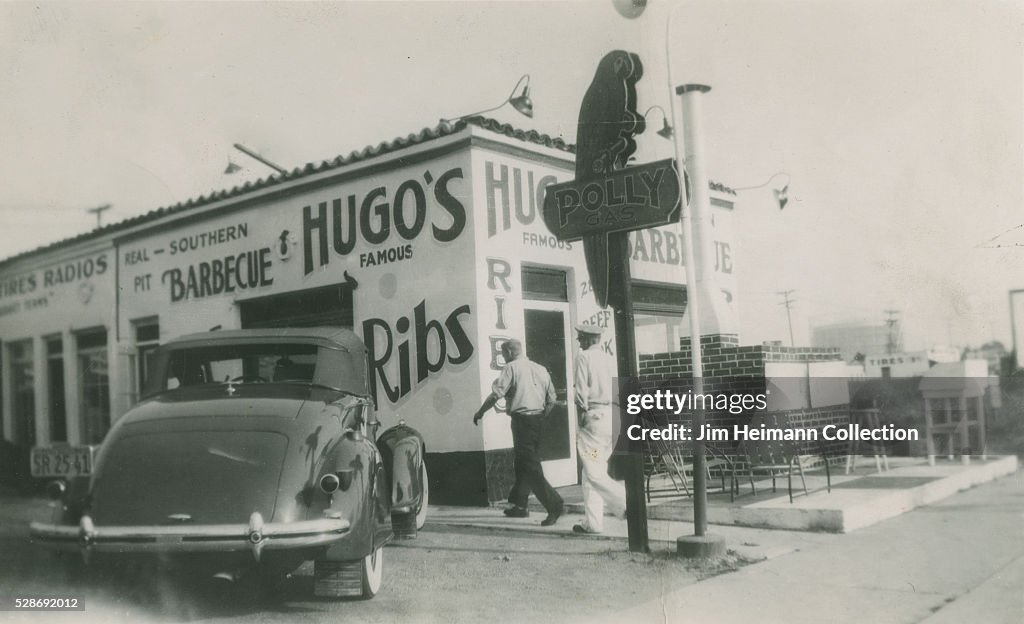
(731, 368)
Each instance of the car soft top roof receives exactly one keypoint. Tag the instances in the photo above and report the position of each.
(330, 337)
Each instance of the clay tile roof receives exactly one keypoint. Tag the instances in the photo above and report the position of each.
(444, 128)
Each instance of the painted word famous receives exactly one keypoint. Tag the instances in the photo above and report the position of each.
(340, 224)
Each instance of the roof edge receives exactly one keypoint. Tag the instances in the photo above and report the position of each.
(444, 129)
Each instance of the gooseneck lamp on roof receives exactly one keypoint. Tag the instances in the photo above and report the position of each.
(666, 131)
(233, 168)
(521, 102)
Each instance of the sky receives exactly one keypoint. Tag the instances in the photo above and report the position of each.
(898, 125)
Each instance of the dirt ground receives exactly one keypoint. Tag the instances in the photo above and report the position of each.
(445, 575)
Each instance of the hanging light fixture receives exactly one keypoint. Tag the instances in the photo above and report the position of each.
(630, 9)
(666, 131)
(522, 102)
(781, 193)
(255, 156)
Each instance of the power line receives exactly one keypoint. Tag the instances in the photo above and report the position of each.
(785, 294)
(892, 321)
(98, 211)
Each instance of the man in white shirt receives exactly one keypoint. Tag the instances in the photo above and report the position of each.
(595, 373)
(529, 397)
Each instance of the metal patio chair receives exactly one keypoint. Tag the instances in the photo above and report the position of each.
(674, 461)
(773, 458)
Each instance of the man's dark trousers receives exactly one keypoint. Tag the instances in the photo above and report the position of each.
(526, 432)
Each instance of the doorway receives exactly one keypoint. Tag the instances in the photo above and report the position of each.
(548, 343)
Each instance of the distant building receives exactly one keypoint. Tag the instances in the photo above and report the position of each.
(943, 354)
(909, 364)
(992, 352)
(854, 338)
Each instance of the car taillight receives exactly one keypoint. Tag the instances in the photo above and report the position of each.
(55, 490)
(330, 483)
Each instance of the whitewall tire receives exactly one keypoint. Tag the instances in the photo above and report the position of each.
(373, 573)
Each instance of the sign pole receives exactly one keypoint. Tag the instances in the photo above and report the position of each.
(701, 544)
(606, 200)
(632, 462)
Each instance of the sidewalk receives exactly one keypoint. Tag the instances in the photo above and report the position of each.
(961, 560)
(750, 524)
(749, 542)
(856, 500)
(957, 560)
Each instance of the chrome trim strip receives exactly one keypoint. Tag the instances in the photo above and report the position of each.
(189, 538)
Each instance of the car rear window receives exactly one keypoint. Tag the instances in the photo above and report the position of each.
(248, 363)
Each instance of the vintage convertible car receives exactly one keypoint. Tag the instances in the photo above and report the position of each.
(252, 450)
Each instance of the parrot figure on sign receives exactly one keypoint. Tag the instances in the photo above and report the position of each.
(608, 122)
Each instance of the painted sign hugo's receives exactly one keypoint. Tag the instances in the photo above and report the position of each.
(239, 254)
(398, 238)
(383, 222)
(515, 193)
(367, 231)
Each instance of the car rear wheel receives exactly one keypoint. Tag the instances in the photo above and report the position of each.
(349, 579)
(406, 525)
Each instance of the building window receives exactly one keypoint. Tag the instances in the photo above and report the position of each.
(147, 339)
(329, 306)
(657, 316)
(94, 386)
(23, 392)
(544, 284)
(55, 384)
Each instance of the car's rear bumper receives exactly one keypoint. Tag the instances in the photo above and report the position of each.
(255, 536)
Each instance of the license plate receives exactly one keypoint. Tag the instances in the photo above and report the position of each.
(62, 461)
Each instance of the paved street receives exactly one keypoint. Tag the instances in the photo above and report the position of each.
(960, 560)
(956, 561)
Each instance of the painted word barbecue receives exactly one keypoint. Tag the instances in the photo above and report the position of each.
(628, 199)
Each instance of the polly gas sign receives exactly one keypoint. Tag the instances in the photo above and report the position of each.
(628, 199)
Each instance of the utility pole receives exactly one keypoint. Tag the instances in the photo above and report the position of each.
(98, 210)
(892, 321)
(786, 294)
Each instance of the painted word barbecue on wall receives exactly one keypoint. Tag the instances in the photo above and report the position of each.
(249, 269)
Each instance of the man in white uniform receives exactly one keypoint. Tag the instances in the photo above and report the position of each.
(595, 373)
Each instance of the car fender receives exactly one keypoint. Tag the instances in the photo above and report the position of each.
(402, 449)
(361, 498)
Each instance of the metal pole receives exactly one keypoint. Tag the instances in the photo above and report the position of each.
(625, 341)
(691, 162)
(98, 211)
(789, 318)
(1013, 329)
(251, 154)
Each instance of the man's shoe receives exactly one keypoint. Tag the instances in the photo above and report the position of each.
(579, 529)
(552, 517)
(517, 512)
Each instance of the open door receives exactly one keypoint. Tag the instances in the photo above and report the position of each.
(548, 343)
